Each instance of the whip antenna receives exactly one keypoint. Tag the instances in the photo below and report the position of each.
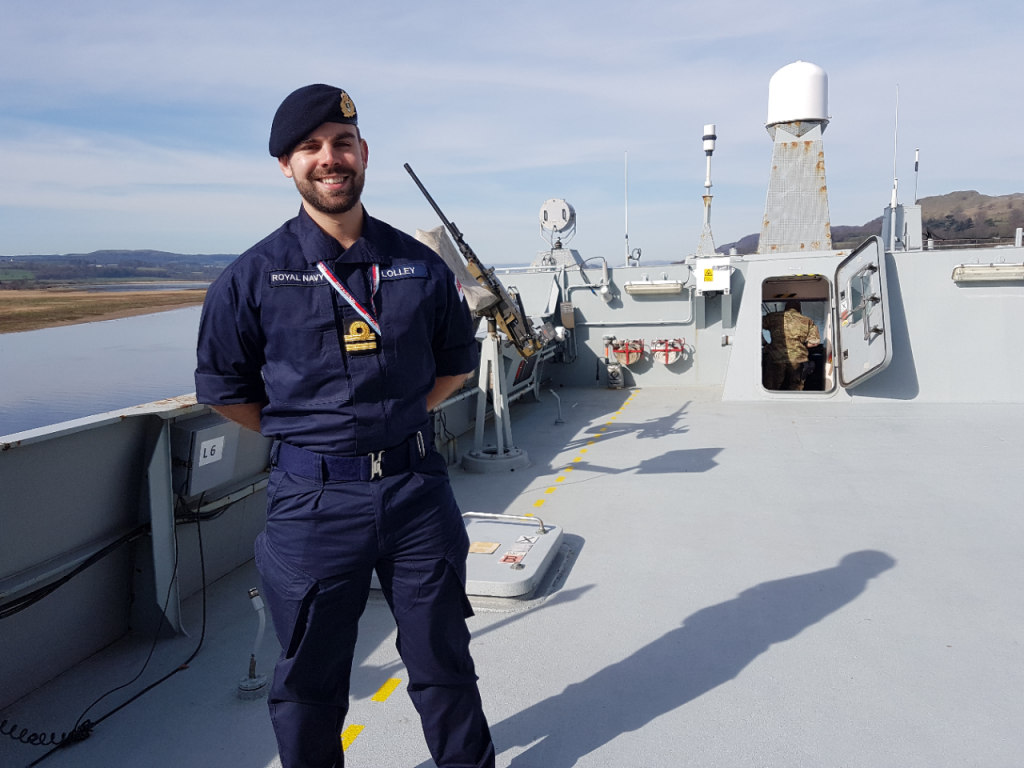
(895, 146)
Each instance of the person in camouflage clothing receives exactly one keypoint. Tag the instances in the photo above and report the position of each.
(792, 333)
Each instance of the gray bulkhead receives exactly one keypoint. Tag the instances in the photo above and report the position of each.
(634, 316)
(73, 488)
(950, 342)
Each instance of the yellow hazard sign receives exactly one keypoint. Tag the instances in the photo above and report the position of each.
(709, 275)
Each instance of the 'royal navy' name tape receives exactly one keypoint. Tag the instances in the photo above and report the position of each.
(296, 278)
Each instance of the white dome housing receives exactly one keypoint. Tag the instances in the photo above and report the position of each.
(798, 93)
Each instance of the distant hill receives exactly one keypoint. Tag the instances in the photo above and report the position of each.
(971, 215)
(120, 257)
(746, 244)
(41, 271)
(966, 215)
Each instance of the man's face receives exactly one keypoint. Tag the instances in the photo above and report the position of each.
(328, 167)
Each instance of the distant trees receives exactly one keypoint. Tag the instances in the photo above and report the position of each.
(951, 224)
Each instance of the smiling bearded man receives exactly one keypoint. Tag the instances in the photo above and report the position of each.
(336, 335)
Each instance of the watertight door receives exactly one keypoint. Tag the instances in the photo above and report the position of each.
(865, 341)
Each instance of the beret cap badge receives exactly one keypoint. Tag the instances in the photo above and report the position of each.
(348, 109)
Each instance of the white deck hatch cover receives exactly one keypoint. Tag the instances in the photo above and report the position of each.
(865, 341)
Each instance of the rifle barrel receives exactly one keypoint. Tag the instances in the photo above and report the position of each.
(444, 219)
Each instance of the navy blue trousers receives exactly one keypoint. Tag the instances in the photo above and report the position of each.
(322, 542)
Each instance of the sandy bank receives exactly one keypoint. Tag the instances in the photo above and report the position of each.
(31, 310)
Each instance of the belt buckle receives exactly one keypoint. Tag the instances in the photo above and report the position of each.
(376, 470)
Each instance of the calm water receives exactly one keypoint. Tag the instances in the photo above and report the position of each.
(58, 374)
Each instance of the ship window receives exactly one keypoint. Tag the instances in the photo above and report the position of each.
(796, 334)
(856, 301)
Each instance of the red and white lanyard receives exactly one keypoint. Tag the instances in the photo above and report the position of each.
(370, 316)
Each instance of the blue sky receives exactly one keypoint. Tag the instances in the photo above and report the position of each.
(144, 125)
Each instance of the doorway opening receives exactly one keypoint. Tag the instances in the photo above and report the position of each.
(796, 334)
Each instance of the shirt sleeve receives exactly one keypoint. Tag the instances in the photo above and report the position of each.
(455, 347)
(229, 354)
(813, 337)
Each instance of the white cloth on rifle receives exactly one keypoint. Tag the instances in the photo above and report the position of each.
(437, 239)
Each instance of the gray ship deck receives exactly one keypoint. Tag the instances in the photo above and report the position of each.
(781, 584)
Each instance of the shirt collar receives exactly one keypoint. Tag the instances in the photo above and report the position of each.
(317, 245)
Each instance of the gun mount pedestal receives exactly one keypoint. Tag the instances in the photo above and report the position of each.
(503, 456)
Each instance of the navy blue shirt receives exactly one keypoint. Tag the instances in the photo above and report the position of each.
(273, 331)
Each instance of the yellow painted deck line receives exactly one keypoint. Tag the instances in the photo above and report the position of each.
(577, 459)
(349, 735)
(386, 690)
(559, 479)
(550, 490)
(591, 442)
(539, 503)
(567, 469)
(584, 450)
(530, 514)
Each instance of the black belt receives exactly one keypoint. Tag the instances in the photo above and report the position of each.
(373, 466)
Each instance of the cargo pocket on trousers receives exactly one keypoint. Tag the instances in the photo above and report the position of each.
(457, 571)
(289, 592)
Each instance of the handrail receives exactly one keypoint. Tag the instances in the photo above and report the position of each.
(492, 516)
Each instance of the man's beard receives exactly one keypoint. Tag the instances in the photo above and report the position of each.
(332, 202)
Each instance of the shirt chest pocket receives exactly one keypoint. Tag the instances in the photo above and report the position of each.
(305, 364)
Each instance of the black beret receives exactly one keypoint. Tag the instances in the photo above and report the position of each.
(306, 109)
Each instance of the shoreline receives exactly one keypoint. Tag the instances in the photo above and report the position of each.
(22, 311)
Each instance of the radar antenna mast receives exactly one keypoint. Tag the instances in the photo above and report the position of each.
(706, 246)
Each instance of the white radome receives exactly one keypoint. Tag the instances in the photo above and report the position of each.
(798, 93)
